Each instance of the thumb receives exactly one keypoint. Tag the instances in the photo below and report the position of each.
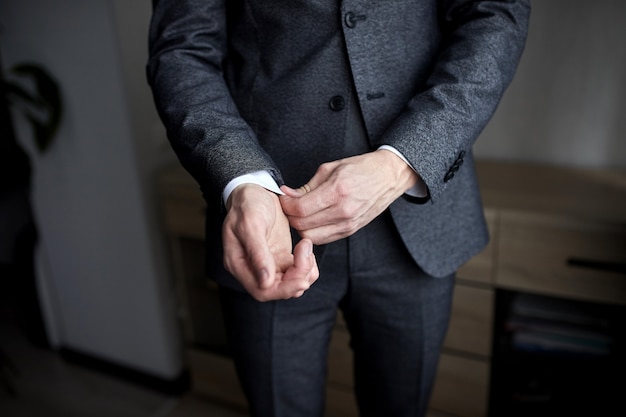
(261, 260)
(302, 253)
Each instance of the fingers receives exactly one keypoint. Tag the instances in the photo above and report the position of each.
(299, 192)
(258, 249)
(298, 275)
(298, 204)
(330, 233)
(292, 192)
(250, 219)
(344, 196)
(261, 260)
(304, 271)
(325, 214)
(320, 178)
(297, 278)
(248, 259)
(302, 257)
(296, 192)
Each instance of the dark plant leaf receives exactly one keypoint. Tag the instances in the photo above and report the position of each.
(16, 91)
(46, 100)
(15, 166)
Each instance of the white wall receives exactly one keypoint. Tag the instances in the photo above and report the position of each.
(107, 289)
(567, 104)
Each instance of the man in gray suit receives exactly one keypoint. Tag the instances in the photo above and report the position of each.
(344, 127)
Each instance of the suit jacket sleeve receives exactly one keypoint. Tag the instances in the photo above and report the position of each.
(481, 46)
(187, 47)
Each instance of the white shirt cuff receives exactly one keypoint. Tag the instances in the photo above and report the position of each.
(262, 178)
(419, 189)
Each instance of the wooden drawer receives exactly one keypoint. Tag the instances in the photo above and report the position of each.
(462, 387)
(535, 254)
(481, 267)
(470, 327)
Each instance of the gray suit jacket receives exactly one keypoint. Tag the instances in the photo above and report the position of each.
(248, 85)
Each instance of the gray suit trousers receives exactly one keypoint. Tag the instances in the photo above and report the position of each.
(396, 314)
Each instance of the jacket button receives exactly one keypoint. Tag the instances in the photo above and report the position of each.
(337, 103)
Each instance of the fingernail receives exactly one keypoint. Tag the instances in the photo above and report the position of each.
(264, 277)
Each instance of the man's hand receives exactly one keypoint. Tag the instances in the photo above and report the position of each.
(345, 195)
(257, 247)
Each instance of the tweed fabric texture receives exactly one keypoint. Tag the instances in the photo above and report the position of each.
(244, 85)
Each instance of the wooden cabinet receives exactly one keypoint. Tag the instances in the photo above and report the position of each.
(554, 231)
(563, 256)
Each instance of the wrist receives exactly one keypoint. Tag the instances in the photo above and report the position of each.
(402, 174)
(247, 192)
(262, 178)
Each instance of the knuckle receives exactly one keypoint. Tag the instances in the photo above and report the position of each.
(298, 210)
(296, 223)
(308, 234)
(325, 168)
(315, 274)
(350, 226)
(341, 191)
(347, 212)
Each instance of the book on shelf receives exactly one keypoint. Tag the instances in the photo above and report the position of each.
(541, 324)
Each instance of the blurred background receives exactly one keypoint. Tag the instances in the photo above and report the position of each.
(102, 285)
